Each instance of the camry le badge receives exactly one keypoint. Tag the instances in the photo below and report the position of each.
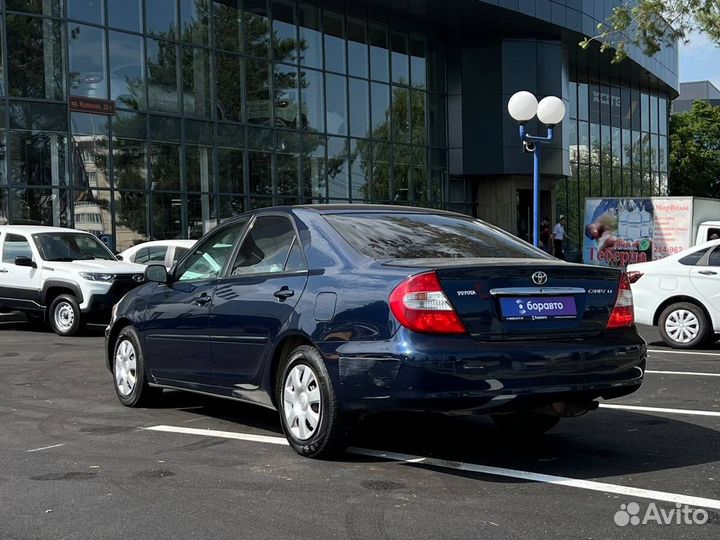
(539, 278)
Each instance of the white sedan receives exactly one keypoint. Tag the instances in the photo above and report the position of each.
(166, 252)
(680, 294)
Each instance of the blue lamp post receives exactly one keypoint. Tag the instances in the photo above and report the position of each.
(523, 107)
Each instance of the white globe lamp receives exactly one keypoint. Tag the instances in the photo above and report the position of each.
(551, 110)
(522, 106)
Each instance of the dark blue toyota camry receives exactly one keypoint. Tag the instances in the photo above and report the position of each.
(330, 312)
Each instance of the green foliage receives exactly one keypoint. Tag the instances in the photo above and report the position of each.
(695, 151)
(651, 24)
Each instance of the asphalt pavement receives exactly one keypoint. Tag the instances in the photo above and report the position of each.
(76, 464)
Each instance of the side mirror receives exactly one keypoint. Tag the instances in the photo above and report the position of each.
(25, 261)
(118, 257)
(156, 273)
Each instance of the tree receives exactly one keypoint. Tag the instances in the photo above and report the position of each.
(650, 24)
(695, 151)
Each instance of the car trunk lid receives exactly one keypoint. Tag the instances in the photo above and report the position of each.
(524, 298)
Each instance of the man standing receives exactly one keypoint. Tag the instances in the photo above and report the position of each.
(558, 237)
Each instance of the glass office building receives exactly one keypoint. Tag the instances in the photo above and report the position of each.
(618, 142)
(151, 119)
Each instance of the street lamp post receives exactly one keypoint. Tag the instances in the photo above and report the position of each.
(523, 107)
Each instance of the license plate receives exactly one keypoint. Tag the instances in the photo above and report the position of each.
(533, 308)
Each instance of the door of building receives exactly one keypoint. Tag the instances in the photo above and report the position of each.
(525, 211)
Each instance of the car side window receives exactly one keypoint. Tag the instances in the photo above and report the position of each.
(693, 258)
(295, 261)
(714, 258)
(15, 246)
(208, 259)
(151, 254)
(712, 234)
(268, 248)
(179, 254)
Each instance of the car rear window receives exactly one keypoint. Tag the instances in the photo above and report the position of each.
(428, 236)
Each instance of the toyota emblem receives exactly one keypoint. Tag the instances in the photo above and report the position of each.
(139, 278)
(539, 278)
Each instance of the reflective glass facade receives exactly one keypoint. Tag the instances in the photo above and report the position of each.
(618, 148)
(222, 106)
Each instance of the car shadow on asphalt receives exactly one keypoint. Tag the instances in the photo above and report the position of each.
(603, 443)
(19, 323)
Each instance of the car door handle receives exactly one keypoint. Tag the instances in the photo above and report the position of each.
(707, 272)
(3, 271)
(203, 299)
(284, 293)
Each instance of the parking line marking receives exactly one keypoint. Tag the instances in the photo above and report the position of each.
(224, 434)
(44, 448)
(697, 373)
(659, 409)
(690, 500)
(697, 353)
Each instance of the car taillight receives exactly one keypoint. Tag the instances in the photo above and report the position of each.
(420, 305)
(634, 276)
(622, 314)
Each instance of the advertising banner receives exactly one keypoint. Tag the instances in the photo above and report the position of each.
(673, 225)
(618, 232)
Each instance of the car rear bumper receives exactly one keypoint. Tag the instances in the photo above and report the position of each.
(418, 372)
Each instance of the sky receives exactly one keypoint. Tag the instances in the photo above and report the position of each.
(700, 60)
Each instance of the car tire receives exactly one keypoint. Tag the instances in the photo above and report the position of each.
(684, 326)
(129, 373)
(64, 316)
(525, 423)
(313, 423)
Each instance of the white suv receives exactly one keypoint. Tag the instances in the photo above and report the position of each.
(64, 276)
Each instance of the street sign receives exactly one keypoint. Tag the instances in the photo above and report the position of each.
(91, 105)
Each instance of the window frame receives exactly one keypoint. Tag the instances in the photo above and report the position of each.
(203, 243)
(702, 260)
(150, 249)
(178, 253)
(41, 252)
(5, 239)
(705, 259)
(231, 261)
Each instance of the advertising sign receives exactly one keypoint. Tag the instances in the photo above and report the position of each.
(619, 232)
(673, 225)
